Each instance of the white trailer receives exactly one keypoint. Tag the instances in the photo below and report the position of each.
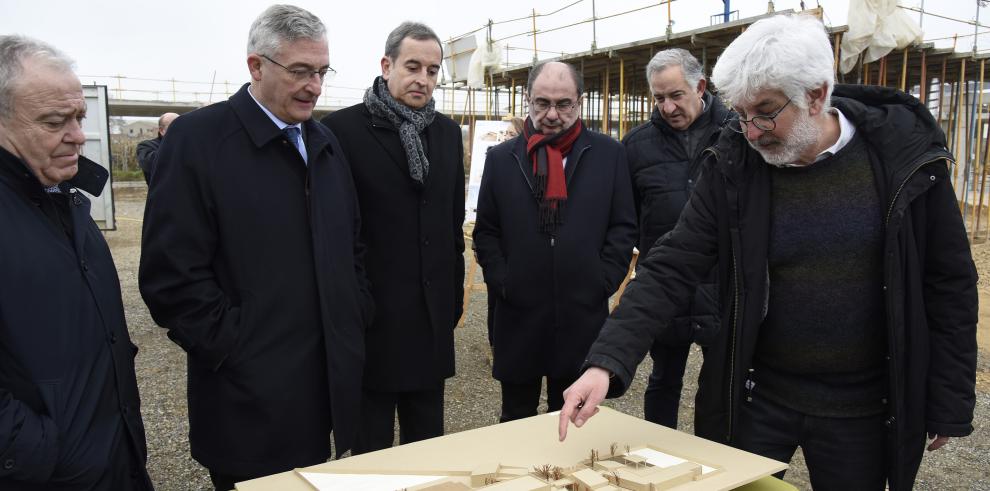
(96, 126)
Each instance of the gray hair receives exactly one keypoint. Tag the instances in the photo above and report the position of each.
(414, 30)
(575, 74)
(283, 23)
(14, 50)
(789, 53)
(690, 67)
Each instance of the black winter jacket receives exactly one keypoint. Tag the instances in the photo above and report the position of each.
(70, 415)
(929, 279)
(664, 172)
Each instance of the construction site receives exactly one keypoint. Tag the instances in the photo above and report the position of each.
(949, 80)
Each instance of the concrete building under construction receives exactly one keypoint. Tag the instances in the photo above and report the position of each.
(617, 98)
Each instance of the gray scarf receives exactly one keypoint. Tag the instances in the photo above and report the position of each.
(410, 123)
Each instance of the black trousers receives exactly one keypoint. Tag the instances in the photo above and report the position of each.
(522, 400)
(126, 471)
(225, 482)
(662, 398)
(841, 453)
(420, 417)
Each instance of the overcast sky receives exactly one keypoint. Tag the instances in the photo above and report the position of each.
(205, 40)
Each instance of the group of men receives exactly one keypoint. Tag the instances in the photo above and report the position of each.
(313, 273)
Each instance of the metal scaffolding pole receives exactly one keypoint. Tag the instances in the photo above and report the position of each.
(977, 159)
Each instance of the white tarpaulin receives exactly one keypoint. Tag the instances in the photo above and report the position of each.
(487, 56)
(876, 27)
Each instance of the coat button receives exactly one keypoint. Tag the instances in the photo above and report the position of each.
(83, 265)
(8, 464)
(424, 202)
(113, 338)
(426, 282)
(890, 421)
(426, 242)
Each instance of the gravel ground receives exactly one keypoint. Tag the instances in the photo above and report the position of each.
(472, 396)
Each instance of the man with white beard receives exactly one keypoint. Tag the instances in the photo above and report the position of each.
(847, 286)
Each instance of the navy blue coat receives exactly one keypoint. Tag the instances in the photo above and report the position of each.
(554, 291)
(70, 416)
(251, 260)
(415, 247)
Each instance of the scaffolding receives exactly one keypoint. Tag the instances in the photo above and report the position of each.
(617, 97)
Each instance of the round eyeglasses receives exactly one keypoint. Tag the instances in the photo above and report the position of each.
(763, 122)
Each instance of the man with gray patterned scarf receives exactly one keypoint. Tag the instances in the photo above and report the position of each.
(407, 163)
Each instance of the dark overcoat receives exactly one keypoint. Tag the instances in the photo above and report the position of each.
(251, 259)
(415, 247)
(554, 289)
(929, 280)
(70, 415)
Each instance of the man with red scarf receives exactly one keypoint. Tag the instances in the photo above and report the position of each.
(554, 235)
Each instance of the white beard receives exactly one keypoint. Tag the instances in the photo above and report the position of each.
(785, 153)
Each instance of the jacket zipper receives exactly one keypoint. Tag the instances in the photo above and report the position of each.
(735, 315)
(732, 345)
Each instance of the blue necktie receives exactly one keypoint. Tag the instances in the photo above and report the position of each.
(293, 134)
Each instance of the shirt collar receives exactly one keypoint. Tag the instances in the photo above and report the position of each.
(846, 132)
(278, 122)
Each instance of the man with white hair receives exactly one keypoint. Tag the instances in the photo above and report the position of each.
(848, 291)
(251, 259)
(70, 416)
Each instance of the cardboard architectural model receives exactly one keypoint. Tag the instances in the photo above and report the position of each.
(617, 471)
(612, 451)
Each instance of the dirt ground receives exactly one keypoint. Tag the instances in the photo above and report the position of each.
(472, 397)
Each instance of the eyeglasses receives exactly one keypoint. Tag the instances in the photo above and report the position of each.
(542, 105)
(301, 74)
(764, 122)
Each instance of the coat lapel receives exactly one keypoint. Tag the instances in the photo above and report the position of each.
(315, 139)
(525, 165)
(434, 151)
(387, 136)
(577, 151)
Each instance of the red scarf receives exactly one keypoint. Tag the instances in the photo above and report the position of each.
(547, 153)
